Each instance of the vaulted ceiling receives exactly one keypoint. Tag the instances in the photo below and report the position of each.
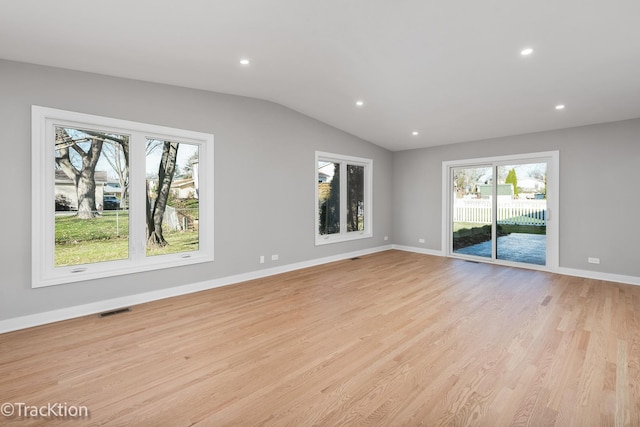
(451, 71)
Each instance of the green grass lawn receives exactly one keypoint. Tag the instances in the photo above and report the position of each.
(179, 241)
(87, 252)
(105, 238)
(109, 225)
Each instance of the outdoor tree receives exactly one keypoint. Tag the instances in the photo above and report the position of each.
(187, 170)
(355, 196)
(155, 210)
(330, 208)
(114, 154)
(540, 172)
(465, 180)
(77, 157)
(513, 180)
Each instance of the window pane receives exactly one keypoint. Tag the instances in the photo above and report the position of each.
(472, 211)
(172, 197)
(329, 197)
(522, 213)
(355, 198)
(91, 187)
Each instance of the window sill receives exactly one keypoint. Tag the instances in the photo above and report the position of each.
(337, 238)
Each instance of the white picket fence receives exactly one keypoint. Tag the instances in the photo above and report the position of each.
(513, 212)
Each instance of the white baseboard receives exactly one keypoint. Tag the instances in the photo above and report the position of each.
(418, 250)
(37, 319)
(609, 277)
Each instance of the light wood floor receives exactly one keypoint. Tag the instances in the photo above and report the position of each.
(391, 339)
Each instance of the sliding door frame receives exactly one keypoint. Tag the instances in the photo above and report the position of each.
(552, 158)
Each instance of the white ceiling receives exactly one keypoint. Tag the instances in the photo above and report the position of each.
(451, 70)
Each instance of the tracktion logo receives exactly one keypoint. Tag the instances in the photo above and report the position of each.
(50, 410)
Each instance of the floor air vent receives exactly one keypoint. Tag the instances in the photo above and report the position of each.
(114, 312)
(355, 258)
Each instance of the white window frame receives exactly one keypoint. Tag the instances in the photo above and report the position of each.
(44, 273)
(344, 235)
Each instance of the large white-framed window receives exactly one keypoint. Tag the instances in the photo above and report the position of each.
(113, 197)
(343, 208)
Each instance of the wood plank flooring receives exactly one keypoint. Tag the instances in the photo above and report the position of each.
(390, 339)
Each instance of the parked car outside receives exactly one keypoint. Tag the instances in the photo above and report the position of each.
(110, 203)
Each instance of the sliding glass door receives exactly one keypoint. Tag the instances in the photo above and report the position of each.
(498, 210)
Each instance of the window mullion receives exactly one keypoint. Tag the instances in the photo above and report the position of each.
(494, 214)
(137, 197)
(343, 197)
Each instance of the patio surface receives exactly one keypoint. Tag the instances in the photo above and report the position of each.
(518, 247)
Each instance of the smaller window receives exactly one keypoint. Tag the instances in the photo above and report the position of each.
(343, 198)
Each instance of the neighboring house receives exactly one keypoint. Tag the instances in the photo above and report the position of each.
(323, 177)
(66, 189)
(505, 191)
(113, 189)
(184, 188)
(531, 185)
(194, 172)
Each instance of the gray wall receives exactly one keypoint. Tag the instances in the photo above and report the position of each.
(261, 145)
(264, 188)
(599, 191)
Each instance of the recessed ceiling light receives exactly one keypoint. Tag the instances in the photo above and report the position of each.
(245, 61)
(560, 107)
(414, 133)
(359, 103)
(526, 52)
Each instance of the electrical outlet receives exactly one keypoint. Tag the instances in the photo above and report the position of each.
(386, 237)
(274, 257)
(421, 240)
(261, 259)
(593, 260)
